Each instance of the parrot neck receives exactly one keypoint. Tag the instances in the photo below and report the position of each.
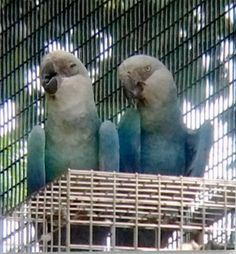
(72, 106)
(162, 118)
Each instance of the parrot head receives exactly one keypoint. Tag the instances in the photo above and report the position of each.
(59, 64)
(145, 77)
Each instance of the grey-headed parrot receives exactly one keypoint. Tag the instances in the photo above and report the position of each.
(74, 136)
(153, 138)
(154, 131)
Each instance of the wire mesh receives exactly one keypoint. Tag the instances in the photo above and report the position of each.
(195, 39)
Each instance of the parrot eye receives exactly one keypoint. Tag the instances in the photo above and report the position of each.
(72, 65)
(147, 68)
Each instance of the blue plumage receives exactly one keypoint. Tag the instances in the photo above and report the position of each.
(167, 146)
(129, 131)
(109, 157)
(36, 160)
(74, 136)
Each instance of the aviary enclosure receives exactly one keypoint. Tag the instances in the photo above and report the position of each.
(196, 40)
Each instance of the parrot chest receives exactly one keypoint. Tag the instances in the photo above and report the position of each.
(71, 142)
(162, 155)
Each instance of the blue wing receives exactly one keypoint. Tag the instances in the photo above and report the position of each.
(198, 145)
(129, 130)
(36, 160)
(109, 155)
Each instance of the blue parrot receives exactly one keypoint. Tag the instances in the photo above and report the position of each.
(154, 131)
(129, 130)
(74, 136)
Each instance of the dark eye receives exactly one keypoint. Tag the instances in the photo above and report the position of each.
(147, 68)
(72, 65)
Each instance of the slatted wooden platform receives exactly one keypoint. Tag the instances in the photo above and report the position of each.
(121, 201)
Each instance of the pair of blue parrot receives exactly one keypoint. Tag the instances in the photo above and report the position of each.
(150, 138)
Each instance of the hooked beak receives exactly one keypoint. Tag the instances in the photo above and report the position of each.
(50, 85)
(49, 79)
(134, 95)
(132, 84)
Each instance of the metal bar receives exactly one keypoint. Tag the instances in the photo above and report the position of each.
(113, 234)
(182, 214)
(91, 212)
(136, 214)
(60, 213)
(159, 212)
(68, 222)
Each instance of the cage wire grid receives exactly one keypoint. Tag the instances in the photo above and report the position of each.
(134, 211)
(195, 39)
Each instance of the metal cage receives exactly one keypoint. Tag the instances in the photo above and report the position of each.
(95, 210)
(195, 39)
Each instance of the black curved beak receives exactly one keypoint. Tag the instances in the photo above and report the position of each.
(50, 85)
(134, 95)
(49, 80)
(129, 96)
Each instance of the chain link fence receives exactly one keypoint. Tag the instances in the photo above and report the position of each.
(196, 40)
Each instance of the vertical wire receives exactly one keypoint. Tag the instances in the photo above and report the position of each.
(91, 210)
(114, 211)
